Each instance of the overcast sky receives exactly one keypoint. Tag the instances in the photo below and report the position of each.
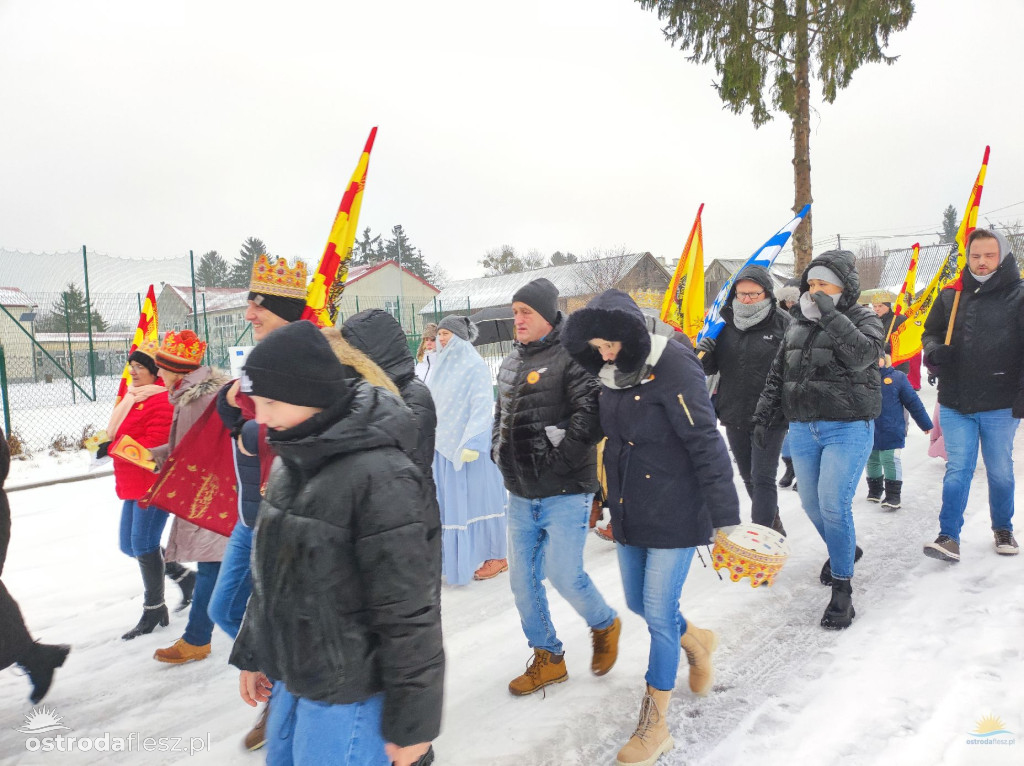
(147, 129)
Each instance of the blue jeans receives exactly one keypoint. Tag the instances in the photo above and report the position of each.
(234, 583)
(829, 457)
(555, 525)
(653, 579)
(301, 731)
(141, 528)
(995, 430)
(199, 629)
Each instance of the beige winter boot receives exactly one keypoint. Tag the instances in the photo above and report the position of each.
(651, 737)
(699, 645)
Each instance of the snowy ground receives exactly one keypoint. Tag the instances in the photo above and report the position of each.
(933, 650)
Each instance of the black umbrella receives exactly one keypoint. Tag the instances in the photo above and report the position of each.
(495, 325)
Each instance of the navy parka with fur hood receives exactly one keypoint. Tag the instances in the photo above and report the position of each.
(669, 474)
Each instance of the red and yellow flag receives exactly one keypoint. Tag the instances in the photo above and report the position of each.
(906, 339)
(906, 296)
(683, 305)
(146, 330)
(329, 279)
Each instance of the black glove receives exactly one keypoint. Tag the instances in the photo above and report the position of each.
(101, 451)
(706, 346)
(933, 379)
(760, 436)
(825, 302)
(940, 355)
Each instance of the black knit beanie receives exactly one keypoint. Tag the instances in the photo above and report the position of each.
(145, 360)
(289, 309)
(541, 296)
(295, 364)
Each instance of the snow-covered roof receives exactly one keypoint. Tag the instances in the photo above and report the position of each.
(482, 292)
(98, 337)
(358, 272)
(217, 298)
(12, 296)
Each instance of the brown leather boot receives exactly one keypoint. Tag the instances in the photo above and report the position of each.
(257, 736)
(651, 737)
(182, 651)
(543, 670)
(699, 644)
(606, 647)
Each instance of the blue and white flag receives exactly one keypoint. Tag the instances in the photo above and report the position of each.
(763, 256)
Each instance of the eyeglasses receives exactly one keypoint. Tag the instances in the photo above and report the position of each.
(750, 296)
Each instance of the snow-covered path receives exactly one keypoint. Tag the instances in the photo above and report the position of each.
(934, 648)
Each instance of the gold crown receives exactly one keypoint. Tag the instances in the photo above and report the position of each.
(149, 348)
(277, 279)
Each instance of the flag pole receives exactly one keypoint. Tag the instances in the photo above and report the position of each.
(952, 317)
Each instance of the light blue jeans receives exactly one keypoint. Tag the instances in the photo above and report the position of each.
(234, 582)
(829, 457)
(653, 579)
(301, 731)
(545, 539)
(995, 430)
(141, 528)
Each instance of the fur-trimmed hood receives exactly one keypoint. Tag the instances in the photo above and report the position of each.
(613, 316)
(203, 381)
(356, 360)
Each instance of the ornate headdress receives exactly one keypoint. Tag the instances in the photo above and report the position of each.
(278, 288)
(750, 550)
(181, 352)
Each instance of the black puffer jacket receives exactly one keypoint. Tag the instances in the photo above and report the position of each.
(743, 357)
(669, 474)
(540, 385)
(345, 601)
(379, 335)
(988, 340)
(827, 369)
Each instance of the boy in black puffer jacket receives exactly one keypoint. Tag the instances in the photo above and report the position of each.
(345, 609)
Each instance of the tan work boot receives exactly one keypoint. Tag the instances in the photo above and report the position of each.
(182, 651)
(651, 737)
(543, 670)
(257, 736)
(606, 647)
(698, 645)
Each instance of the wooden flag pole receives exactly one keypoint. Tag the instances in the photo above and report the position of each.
(952, 317)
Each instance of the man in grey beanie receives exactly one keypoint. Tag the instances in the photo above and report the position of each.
(980, 375)
(546, 427)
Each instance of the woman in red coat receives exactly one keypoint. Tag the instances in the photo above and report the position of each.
(144, 414)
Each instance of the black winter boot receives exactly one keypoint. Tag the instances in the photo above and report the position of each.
(40, 662)
(185, 579)
(154, 611)
(826, 570)
(788, 476)
(777, 523)
(839, 612)
(893, 489)
(875, 489)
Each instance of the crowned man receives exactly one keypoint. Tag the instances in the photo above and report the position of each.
(277, 296)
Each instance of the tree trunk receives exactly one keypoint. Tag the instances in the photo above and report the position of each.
(802, 243)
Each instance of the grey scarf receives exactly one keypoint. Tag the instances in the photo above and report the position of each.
(746, 315)
(612, 377)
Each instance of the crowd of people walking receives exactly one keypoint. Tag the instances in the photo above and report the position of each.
(368, 476)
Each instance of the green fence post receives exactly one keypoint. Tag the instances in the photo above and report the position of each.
(195, 312)
(206, 322)
(357, 304)
(71, 351)
(88, 323)
(3, 390)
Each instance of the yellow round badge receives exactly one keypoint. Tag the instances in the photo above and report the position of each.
(888, 380)
(533, 377)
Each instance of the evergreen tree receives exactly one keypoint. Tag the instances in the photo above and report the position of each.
(367, 250)
(502, 260)
(213, 271)
(950, 225)
(558, 258)
(241, 270)
(403, 252)
(69, 313)
(769, 49)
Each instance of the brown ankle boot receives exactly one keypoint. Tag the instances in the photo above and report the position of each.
(606, 647)
(651, 737)
(699, 645)
(257, 736)
(544, 669)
